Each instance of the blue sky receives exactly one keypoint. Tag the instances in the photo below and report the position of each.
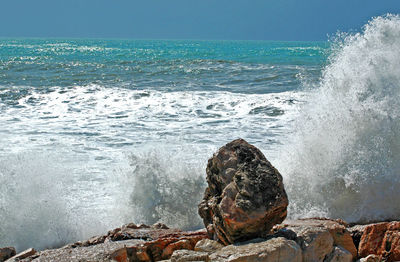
(188, 19)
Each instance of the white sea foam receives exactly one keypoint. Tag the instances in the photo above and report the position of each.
(343, 160)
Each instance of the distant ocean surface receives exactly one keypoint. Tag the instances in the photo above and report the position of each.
(96, 133)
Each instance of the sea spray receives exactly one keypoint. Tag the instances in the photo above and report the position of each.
(343, 158)
(165, 186)
(38, 203)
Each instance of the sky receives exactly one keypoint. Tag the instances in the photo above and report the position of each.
(300, 20)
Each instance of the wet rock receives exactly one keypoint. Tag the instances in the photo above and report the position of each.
(245, 197)
(6, 253)
(339, 254)
(382, 239)
(273, 250)
(207, 245)
(189, 255)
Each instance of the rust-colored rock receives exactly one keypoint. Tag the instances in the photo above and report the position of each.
(6, 253)
(245, 197)
(382, 239)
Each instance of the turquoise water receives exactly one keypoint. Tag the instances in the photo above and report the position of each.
(97, 133)
(81, 120)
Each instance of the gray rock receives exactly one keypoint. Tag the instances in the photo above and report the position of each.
(273, 250)
(208, 245)
(339, 254)
(245, 197)
(22, 255)
(189, 255)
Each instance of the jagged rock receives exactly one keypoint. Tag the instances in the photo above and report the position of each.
(208, 245)
(245, 197)
(315, 242)
(189, 255)
(22, 255)
(273, 250)
(181, 244)
(6, 253)
(128, 243)
(339, 254)
(109, 251)
(382, 239)
(307, 231)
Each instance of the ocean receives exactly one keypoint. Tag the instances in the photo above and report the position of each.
(95, 133)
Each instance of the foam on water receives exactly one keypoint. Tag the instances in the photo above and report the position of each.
(77, 160)
(343, 160)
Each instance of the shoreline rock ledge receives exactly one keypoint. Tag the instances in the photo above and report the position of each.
(245, 196)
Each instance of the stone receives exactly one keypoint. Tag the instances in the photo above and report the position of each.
(315, 242)
(189, 255)
(273, 250)
(370, 258)
(104, 252)
(382, 239)
(208, 245)
(300, 228)
(128, 243)
(245, 196)
(6, 253)
(22, 255)
(181, 244)
(339, 254)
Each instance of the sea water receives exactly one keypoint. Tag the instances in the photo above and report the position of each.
(97, 133)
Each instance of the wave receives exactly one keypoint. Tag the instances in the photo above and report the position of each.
(343, 160)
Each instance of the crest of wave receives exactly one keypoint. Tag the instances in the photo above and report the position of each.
(343, 160)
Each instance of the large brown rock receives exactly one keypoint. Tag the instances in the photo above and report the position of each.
(245, 197)
(382, 239)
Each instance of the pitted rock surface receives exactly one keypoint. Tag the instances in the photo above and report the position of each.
(245, 197)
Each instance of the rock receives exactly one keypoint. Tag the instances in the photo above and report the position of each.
(315, 242)
(189, 255)
(181, 244)
(108, 251)
(382, 239)
(305, 229)
(128, 243)
(273, 250)
(245, 197)
(22, 255)
(207, 245)
(370, 258)
(6, 253)
(339, 254)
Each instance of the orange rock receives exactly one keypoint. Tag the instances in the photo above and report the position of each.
(120, 255)
(181, 244)
(381, 239)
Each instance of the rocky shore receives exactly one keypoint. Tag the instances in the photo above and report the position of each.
(244, 212)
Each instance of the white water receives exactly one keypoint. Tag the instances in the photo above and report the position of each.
(144, 153)
(343, 160)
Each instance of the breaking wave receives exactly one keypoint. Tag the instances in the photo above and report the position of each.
(343, 160)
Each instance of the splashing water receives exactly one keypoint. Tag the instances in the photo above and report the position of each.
(343, 160)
